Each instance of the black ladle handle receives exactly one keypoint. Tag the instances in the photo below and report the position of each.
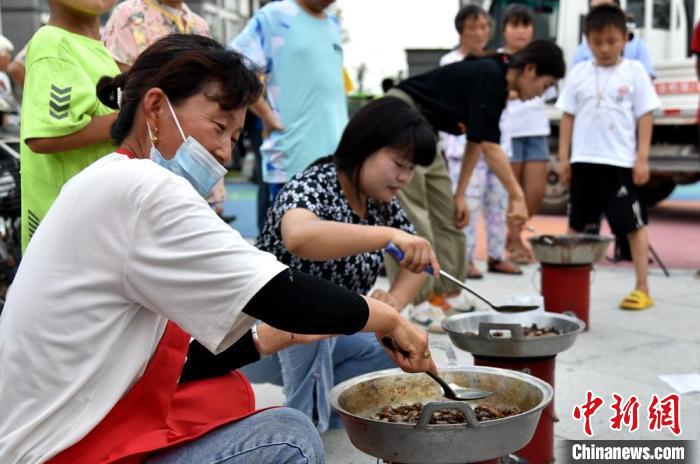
(447, 390)
(393, 346)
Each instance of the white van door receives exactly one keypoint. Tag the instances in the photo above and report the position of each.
(654, 20)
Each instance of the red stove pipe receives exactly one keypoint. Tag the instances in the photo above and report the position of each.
(540, 450)
(567, 288)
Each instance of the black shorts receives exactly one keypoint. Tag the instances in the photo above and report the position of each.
(601, 189)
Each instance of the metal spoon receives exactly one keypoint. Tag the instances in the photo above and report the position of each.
(455, 392)
(394, 251)
(451, 391)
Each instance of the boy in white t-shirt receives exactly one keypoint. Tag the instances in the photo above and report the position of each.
(607, 105)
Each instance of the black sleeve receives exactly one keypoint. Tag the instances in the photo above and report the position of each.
(291, 301)
(485, 108)
(302, 303)
(202, 363)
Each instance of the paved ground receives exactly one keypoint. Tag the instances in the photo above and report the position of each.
(623, 352)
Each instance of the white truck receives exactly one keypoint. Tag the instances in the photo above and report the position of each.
(666, 26)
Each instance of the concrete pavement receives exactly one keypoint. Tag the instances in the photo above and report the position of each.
(623, 352)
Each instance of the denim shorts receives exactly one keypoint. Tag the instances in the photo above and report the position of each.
(533, 148)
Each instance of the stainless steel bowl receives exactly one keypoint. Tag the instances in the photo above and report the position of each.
(501, 335)
(569, 249)
(357, 399)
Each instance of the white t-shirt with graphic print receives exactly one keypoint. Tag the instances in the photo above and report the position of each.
(606, 102)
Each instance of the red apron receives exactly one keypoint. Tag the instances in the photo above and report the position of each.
(158, 413)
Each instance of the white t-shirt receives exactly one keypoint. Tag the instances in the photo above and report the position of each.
(528, 118)
(126, 246)
(606, 103)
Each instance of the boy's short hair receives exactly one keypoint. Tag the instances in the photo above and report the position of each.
(466, 12)
(517, 14)
(604, 16)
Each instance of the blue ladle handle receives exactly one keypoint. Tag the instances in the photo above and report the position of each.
(398, 255)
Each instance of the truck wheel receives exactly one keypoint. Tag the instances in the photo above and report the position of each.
(657, 190)
(556, 195)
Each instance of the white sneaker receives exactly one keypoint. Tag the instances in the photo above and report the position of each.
(462, 302)
(428, 316)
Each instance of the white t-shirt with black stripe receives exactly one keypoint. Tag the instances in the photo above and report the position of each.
(126, 247)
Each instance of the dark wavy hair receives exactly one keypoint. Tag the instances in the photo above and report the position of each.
(182, 66)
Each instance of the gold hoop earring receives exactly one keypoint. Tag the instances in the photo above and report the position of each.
(154, 137)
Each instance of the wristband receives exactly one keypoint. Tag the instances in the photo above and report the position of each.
(256, 341)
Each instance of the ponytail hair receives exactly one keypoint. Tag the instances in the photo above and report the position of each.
(544, 54)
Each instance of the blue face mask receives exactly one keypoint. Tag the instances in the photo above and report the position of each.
(191, 161)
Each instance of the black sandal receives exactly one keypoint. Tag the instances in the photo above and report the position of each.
(473, 272)
(493, 266)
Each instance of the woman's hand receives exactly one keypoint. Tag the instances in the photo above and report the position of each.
(407, 346)
(405, 343)
(461, 212)
(386, 297)
(273, 340)
(418, 253)
(518, 215)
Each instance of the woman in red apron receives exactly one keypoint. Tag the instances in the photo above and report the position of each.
(130, 263)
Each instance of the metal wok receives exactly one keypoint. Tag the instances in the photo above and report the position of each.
(575, 249)
(493, 334)
(357, 399)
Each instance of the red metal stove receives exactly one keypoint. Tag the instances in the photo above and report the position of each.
(566, 270)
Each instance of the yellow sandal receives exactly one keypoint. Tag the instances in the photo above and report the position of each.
(637, 299)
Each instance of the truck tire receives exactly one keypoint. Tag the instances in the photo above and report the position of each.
(556, 195)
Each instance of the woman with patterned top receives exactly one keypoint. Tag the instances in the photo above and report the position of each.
(333, 220)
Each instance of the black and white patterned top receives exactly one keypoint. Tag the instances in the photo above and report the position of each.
(318, 190)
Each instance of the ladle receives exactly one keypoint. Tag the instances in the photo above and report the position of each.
(450, 391)
(453, 391)
(396, 252)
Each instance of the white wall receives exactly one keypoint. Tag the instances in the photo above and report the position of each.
(378, 32)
